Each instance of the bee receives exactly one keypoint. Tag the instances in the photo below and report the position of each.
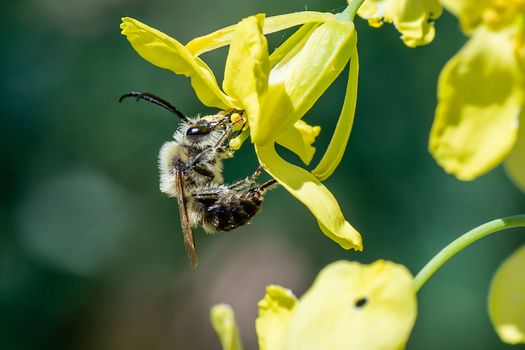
(191, 170)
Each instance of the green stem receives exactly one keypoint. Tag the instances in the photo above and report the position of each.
(350, 11)
(462, 242)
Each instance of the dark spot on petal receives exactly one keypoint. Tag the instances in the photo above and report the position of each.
(359, 303)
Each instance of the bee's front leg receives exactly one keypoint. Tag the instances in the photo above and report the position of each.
(226, 152)
(216, 148)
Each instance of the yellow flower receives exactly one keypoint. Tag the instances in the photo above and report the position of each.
(275, 91)
(481, 93)
(507, 299)
(412, 18)
(349, 306)
(223, 322)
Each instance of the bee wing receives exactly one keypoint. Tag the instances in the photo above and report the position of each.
(187, 234)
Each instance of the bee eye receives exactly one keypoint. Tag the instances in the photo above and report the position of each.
(198, 130)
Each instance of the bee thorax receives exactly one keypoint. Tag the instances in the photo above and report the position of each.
(174, 156)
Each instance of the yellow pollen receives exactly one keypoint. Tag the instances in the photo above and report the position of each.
(491, 16)
(235, 118)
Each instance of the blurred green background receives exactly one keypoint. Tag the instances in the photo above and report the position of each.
(91, 255)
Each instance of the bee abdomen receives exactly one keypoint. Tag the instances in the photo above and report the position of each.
(234, 210)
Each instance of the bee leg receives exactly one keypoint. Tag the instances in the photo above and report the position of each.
(247, 181)
(226, 152)
(200, 169)
(214, 148)
(212, 194)
(268, 185)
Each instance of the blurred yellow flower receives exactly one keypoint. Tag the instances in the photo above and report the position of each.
(223, 321)
(349, 306)
(275, 91)
(414, 19)
(481, 92)
(507, 299)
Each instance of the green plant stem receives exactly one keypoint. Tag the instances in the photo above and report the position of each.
(462, 242)
(350, 11)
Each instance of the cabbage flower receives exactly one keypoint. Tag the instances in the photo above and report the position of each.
(481, 93)
(349, 306)
(507, 299)
(414, 19)
(274, 91)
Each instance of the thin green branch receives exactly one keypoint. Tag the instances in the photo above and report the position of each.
(464, 241)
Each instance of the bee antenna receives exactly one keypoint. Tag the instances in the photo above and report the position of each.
(156, 100)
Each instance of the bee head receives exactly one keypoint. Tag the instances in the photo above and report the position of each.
(205, 125)
(197, 130)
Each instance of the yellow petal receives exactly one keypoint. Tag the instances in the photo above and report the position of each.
(222, 37)
(307, 189)
(373, 11)
(247, 67)
(166, 52)
(507, 299)
(515, 162)
(479, 101)
(299, 139)
(337, 146)
(302, 76)
(412, 18)
(295, 40)
(275, 311)
(354, 306)
(223, 321)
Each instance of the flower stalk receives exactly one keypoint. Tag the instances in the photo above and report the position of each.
(464, 241)
(351, 10)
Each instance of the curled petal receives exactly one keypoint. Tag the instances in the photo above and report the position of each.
(299, 139)
(309, 190)
(302, 76)
(412, 18)
(247, 67)
(223, 321)
(480, 97)
(275, 311)
(507, 299)
(337, 146)
(515, 162)
(354, 306)
(222, 37)
(166, 52)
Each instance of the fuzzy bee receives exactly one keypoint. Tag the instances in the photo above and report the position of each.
(191, 170)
